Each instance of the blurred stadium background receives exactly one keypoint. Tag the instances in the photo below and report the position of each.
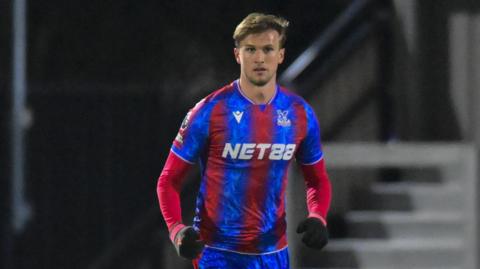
(92, 94)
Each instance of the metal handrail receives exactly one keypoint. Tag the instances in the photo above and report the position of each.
(326, 40)
(350, 30)
(336, 57)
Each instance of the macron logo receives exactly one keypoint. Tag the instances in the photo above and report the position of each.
(238, 115)
(245, 151)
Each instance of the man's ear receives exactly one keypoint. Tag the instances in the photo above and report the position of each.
(281, 55)
(236, 52)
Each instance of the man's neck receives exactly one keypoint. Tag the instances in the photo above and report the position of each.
(258, 94)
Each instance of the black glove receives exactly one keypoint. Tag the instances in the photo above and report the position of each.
(187, 243)
(316, 234)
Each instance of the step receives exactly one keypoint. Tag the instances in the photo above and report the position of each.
(407, 196)
(391, 224)
(381, 267)
(391, 254)
(415, 267)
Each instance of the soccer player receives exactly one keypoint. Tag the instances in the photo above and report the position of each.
(245, 135)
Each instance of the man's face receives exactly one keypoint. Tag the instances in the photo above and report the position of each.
(259, 56)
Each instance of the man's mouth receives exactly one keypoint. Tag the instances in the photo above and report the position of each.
(259, 69)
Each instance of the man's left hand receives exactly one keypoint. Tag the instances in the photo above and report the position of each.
(315, 233)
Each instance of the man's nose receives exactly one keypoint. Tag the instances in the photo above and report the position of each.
(259, 56)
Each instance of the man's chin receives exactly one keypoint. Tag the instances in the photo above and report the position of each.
(259, 82)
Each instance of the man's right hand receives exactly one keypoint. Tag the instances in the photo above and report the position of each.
(187, 243)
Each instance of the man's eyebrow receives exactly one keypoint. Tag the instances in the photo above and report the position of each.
(253, 46)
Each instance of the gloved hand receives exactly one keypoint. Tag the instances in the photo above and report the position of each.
(187, 243)
(316, 234)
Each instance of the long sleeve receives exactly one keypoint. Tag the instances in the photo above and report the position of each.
(168, 191)
(318, 188)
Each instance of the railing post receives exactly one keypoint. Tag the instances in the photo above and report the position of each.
(385, 71)
(19, 209)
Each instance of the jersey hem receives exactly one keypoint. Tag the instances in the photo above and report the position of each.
(247, 253)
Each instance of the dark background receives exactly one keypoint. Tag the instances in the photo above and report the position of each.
(110, 81)
(108, 85)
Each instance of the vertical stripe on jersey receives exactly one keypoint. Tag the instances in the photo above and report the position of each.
(209, 198)
(281, 222)
(261, 128)
(233, 193)
(275, 197)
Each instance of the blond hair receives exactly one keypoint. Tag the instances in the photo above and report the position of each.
(256, 23)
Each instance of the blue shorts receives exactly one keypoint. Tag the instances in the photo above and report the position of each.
(213, 258)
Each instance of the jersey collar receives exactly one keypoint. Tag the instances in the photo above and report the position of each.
(239, 90)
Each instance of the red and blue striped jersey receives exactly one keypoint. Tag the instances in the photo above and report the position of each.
(244, 151)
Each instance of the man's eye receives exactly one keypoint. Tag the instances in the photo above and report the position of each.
(268, 49)
(250, 49)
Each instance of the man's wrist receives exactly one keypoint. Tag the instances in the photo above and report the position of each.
(177, 227)
(318, 216)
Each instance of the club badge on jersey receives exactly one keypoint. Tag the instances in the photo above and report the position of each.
(282, 119)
